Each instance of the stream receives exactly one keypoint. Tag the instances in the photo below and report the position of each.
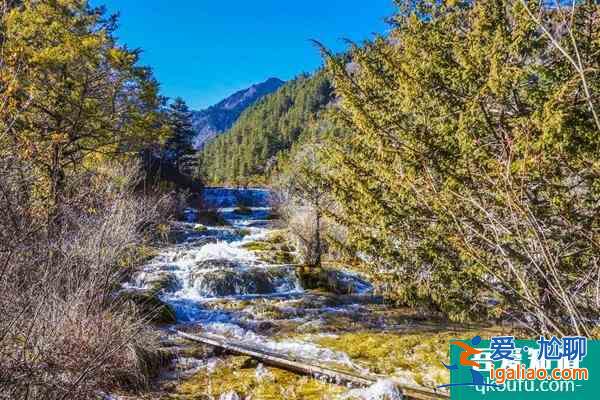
(219, 278)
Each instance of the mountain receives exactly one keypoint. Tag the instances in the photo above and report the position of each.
(267, 130)
(210, 122)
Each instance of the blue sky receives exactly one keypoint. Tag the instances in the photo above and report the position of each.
(204, 50)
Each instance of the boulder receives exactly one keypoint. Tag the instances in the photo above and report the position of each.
(228, 282)
(164, 282)
(148, 303)
(157, 281)
(331, 280)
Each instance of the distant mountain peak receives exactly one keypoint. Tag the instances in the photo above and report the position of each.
(218, 118)
(274, 80)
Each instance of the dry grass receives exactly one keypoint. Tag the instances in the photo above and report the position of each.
(63, 333)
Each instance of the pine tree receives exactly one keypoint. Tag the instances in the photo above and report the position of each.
(179, 147)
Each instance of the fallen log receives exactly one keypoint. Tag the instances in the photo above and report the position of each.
(307, 367)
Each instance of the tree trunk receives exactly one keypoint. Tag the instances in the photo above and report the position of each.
(318, 249)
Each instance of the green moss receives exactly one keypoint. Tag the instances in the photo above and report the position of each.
(268, 310)
(234, 375)
(277, 237)
(228, 304)
(257, 246)
(274, 250)
(200, 228)
(197, 351)
(278, 257)
(418, 355)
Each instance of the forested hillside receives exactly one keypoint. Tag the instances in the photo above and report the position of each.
(220, 117)
(248, 151)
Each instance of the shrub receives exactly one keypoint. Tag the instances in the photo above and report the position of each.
(63, 335)
(467, 168)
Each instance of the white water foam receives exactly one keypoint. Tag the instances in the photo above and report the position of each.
(381, 390)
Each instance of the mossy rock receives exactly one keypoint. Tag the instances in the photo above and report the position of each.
(163, 282)
(244, 232)
(228, 304)
(277, 237)
(272, 252)
(200, 228)
(198, 351)
(283, 257)
(328, 280)
(277, 257)
(311, 277)
(153, 360)
(314, 327)
(417, 355)
(229, 282)
(269, 311)
(217, 263)
(257, 246)
(137, 255)
(150, 306)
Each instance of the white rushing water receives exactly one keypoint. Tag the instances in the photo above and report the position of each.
(211, 263)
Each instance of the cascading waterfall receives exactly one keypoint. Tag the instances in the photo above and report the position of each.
(211, 263)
